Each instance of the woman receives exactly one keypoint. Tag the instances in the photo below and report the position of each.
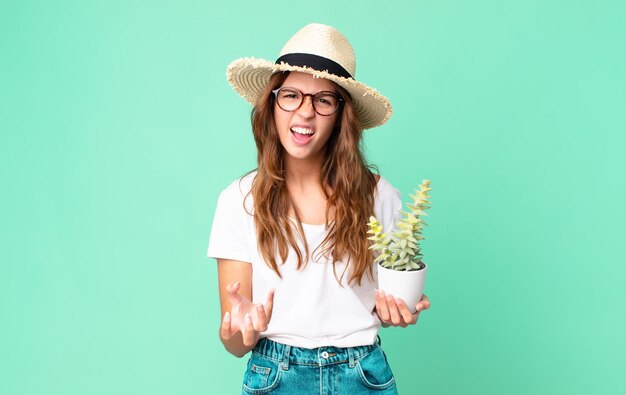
(297, 283)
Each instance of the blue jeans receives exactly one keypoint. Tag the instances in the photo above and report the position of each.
(276, 369)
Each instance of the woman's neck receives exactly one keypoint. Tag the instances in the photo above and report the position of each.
(302, 174)
(308, 199)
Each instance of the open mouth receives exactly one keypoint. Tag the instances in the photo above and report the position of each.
(302, 135)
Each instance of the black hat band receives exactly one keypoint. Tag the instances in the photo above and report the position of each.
(316, 62)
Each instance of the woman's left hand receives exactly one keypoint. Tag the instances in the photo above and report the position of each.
(394, 312)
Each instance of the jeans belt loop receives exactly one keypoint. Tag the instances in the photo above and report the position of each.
(351, 357)
(285, 361)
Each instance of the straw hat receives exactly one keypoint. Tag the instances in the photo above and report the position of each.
(319, 50)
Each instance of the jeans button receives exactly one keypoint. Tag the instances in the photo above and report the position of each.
(325, 355)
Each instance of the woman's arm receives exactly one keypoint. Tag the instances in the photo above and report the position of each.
(242, 320)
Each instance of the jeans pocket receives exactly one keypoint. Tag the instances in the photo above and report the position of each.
(262, 375)
(374, 371)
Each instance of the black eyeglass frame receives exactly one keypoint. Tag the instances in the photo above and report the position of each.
(313, 95)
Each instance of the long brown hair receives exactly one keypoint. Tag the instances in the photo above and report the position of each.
(345, 173)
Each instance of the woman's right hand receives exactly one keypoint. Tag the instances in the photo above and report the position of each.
(246, 317)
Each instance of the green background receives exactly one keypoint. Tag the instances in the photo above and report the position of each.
(118, 130)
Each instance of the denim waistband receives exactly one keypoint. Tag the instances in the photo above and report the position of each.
(328, 355)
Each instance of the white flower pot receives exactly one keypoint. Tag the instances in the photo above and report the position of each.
(406, 285)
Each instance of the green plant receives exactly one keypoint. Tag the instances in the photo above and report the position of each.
(401, 250)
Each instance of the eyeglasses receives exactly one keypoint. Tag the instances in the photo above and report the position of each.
(290, 99)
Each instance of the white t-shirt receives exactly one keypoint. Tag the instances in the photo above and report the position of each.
(311, 309)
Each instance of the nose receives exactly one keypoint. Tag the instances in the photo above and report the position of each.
(306, 109)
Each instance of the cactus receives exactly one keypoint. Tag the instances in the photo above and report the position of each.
(401, 250)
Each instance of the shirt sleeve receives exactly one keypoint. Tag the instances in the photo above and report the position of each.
(390, 207)
(228, 239)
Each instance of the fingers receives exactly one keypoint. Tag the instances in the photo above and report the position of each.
(225, 327)
(261, 322)
(233, 295)
(381, 307)
(377, 300)
(396, 319)
(408, 317)
(247, 332)
(264, 312)
(233, 287)
(269, 303)
(423, 304)
(395, 311)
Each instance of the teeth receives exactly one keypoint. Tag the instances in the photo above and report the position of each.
(302, 130)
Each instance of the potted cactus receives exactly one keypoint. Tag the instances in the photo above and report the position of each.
(401, 271)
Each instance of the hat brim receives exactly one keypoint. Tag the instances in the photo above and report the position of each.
(249, 76)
